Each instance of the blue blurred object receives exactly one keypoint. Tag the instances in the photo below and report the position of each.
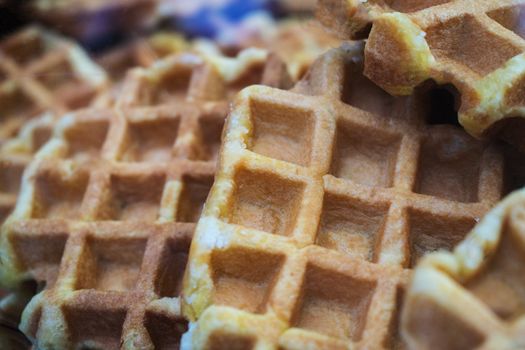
(210, 18)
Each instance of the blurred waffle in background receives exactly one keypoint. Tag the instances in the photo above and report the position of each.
(139, 52)
(43, 76)
(124, 186)
(299, 42)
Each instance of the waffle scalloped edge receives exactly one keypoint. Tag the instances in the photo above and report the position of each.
(473, 297)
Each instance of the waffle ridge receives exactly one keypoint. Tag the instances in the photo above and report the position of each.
(107, 207)
(325, 198)
(37, 71)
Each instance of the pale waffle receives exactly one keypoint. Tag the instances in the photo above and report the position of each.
(479, 49)
(473, 297)
(109, 205)
(42, 72)
(324, 199)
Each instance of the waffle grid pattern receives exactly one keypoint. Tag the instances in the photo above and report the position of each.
(273, 265)
(37, 69)
(107, 208)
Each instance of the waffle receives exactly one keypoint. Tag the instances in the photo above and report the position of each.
(473, 297)
(140, 53)
(477, 49)
(324, 199)
(92, 21)
(143, 53)
(108, 206)
(42, 72)
(298, 42)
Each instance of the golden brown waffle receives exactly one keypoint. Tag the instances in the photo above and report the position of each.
(473, 297)
(44, 75)
(478, 48)
(108, 206)
(41, 72)
(324, 199)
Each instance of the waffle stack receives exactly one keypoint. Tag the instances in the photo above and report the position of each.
(324, 200)
(107, 208)
(477, 49)
(473, 297)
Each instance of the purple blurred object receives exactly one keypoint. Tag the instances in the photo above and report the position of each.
(93, 23)
(209, 18)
